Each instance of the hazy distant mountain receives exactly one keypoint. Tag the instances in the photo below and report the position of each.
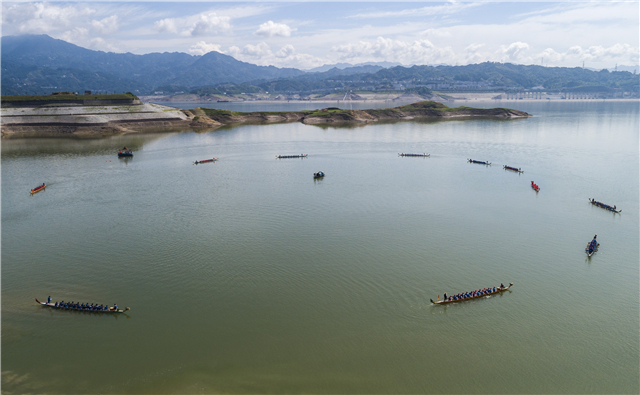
(342, 66)
(144, 71)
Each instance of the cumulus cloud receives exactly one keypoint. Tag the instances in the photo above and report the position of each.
(210, 22)
(102, 45)
(271, 29)
(513, 52)
(37, 18)
(75, 35)
(285, 51)
(617, 53)
(201, 48)
(197, 25)
(384, 49)
(166, 26)
(106, 25)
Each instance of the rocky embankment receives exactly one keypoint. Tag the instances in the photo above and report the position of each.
(97, 121)
(91, 121)
(332, 115)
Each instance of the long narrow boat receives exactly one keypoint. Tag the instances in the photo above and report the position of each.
(604, 206)
(449, 300)
(291, 156)
(512, 169)
(205, 161)
(535, 186)
(479, 162)
(38, 188)
(424, 154)
(110, 311)
(592, 246)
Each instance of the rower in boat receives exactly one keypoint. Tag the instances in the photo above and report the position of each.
(479, 162)
(518, 170)
(535, 186)
(472, 295)
(81, 306)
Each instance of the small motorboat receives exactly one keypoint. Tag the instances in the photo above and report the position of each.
(125, 152)
(205, 161)
(38, 188)
(319, 174)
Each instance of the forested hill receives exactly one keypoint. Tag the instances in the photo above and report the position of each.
(40, 64)
(33, 61)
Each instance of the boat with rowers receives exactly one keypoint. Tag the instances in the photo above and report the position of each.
(319, 174)
(604, 206)
(205, 161)
(424, 154)
(82, 307)
(592, 246)
(479, 162)
(535, 186)
(38, 188)
(518, 170)
(472, 295)
(291, 156)
(125, 152)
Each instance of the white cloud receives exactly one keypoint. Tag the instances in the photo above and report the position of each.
(166, 25)
(513, 52)
(209, 22)
(75, 35)
(384, 49)
(102, 45)
(201, 48)
(37, 18)
(257, 51)
(286, 51)
(106, 25)
(196, 25)
(420, 12)
(271, 29)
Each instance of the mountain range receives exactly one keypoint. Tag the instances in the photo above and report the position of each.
(41, 64)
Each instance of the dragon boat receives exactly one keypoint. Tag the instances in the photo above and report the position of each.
(592, 246)
(424, 154)
(512, 169)
(449, 300)
(479, 162)
(38, 188)
(205, 161)
(604, 206)
(111, 310)
(319, 174)
(291, 156)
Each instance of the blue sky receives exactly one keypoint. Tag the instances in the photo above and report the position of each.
(309, 34)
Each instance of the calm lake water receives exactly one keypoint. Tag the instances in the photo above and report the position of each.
(249, 276)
